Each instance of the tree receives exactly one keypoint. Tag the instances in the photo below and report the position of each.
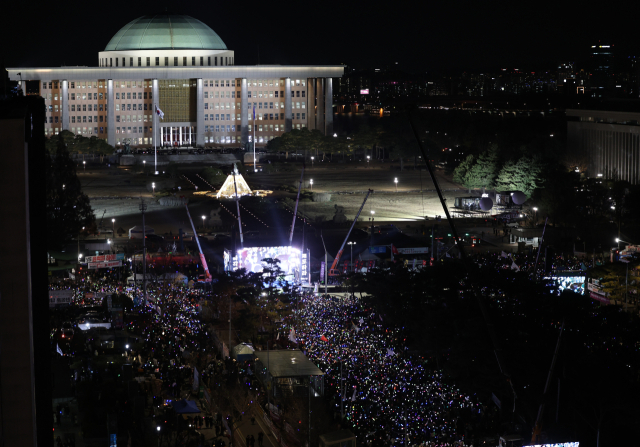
(523, 175)
(460, 173)
(483, 173)
(68, 208)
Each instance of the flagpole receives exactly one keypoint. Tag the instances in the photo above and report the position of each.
(155, 141)
(254, 138)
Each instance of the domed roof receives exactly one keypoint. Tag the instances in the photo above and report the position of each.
(165, 32)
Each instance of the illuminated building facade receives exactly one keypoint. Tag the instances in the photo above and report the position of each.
(180, 65)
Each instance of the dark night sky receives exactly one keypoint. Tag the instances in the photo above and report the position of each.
(436, 36)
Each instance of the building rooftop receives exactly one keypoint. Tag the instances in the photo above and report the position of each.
(165, 32)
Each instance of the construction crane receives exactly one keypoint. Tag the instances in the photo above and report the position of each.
(101, 219)
(235, 188)
(295, 211)
(537, 428)
(207, 275)
(334, 271)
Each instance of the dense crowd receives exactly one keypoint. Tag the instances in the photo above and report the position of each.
(387, 394)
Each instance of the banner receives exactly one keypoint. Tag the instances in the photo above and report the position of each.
(322, 271)
(377, 249)
(103, 265)
(104, 258)
(413, 250)
(60, 297)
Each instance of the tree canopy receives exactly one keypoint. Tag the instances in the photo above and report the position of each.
(68, 208)
(79, 144)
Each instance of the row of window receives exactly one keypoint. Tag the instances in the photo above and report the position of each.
(83, 119)
(260, 116)
(195, 61)
(133, 129)
(137, 141)
(132, 118)
(149, 84)
(140, 95)
(133, 107)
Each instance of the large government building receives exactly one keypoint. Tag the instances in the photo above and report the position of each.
(183, 67)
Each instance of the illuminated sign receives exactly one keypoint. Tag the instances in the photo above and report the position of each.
(559, 444)
(364, 91)
(252, 260)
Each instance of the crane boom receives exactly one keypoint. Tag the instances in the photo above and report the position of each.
(295, 211)
(333, 271)
(207, 275)
(235, 188)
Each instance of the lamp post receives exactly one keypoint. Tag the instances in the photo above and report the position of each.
(84, 166)
(311, 182)
(372, 219)
(158, 430)
(203, 218)
(351, 243)
(153, 186)
(396, 182)
(312, 158)
(113, 227)
(368, 158)
(535, 215)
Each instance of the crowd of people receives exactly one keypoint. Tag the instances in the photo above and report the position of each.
(387, 394)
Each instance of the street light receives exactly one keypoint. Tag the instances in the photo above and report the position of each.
(312, 158)
(113, 227)
(203, 218)
(311, 182)
(84, 166)
(368, 158)
(158, 429)
(396, 182)
(153, 186)
(351, 243)
(372, 219)
(535, 214)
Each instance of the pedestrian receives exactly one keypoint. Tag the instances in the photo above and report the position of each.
(260, 439)
(248, 441)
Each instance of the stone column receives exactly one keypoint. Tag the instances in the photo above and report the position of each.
(287, 105)
(199, 114)
(244, 114)
(311, 104)
(111, 114)
(328, 104)
(156, 102)
(320, 104)
(64, 104)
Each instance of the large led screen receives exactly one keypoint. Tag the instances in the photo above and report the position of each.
(291, 261)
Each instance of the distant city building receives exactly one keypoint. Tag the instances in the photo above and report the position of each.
(182, 66)
(601, 82)
(607, 142)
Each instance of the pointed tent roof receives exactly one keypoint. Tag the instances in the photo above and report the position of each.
(185, 406)
(227, 190)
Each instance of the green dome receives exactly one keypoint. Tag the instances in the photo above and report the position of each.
(165, 32)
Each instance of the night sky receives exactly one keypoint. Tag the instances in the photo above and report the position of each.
(434, 37)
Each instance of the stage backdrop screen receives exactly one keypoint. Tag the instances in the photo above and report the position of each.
(251, 259)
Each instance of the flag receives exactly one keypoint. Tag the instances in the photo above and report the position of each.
(254, 112)
(394, 250)
(159, 112)
(390, 352)
(278, 337)
(504, 255)
(361, 320)
(355, 327)
(292, 336)
(323, 338)
(353, 398)
(514, 266)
